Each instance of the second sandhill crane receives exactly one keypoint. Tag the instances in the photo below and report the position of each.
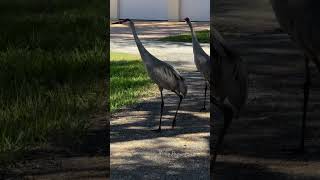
(230, 85)
(201, 59)
(300, 19)
(161, 73)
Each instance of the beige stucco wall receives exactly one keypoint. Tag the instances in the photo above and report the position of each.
(114, 9)
(173, 10)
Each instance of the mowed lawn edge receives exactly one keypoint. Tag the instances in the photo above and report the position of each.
(203, 37)
(129, 82)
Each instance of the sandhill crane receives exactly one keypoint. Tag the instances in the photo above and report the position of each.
(161, 73)
(201, 59)
(229, 82)
(300, 19)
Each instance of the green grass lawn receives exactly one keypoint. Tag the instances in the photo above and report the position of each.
(203, 37)
(129, 80)
(52, 72)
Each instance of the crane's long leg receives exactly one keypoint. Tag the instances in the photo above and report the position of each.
(228, 115)
(305, 103)
(175, 116)
(161, 111)
(205, 95)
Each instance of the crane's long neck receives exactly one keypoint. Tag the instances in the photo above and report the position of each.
(195, 43)
(141, 48)
(193, 34)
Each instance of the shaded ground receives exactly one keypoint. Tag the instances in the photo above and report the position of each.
(88, 161)
(257, 144)
(180, 153)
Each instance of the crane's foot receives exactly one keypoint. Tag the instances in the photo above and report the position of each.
(173, 124)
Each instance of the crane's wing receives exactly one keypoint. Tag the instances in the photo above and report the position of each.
(300, 19)
(165, 76)
(237, 86)
(283, 13)
(204, 65)
(231, 76)
(221, 47)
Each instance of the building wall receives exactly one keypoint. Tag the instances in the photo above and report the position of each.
(174, 11)
(144, 9)
(198, 10)
(114, 9)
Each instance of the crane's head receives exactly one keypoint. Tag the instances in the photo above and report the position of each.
(121, 21)
(187, 19)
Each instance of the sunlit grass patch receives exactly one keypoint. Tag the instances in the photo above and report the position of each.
(203, 37)
(128, 80)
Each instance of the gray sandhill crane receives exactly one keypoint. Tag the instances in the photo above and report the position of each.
(161, 73)
(201, 59)
(300, 19)
(229, 82)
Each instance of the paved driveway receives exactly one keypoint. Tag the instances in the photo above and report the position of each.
(154, 29)
(181, 153)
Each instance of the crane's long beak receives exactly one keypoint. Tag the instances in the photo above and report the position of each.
(118, 22)
(121, 21)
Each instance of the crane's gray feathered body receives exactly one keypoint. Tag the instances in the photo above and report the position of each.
(230, 75)
(300, 19)
(201, 59)
(229, 84)
(161, 73)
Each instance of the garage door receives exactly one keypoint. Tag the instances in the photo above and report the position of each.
(198, 10)
(144, 9)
